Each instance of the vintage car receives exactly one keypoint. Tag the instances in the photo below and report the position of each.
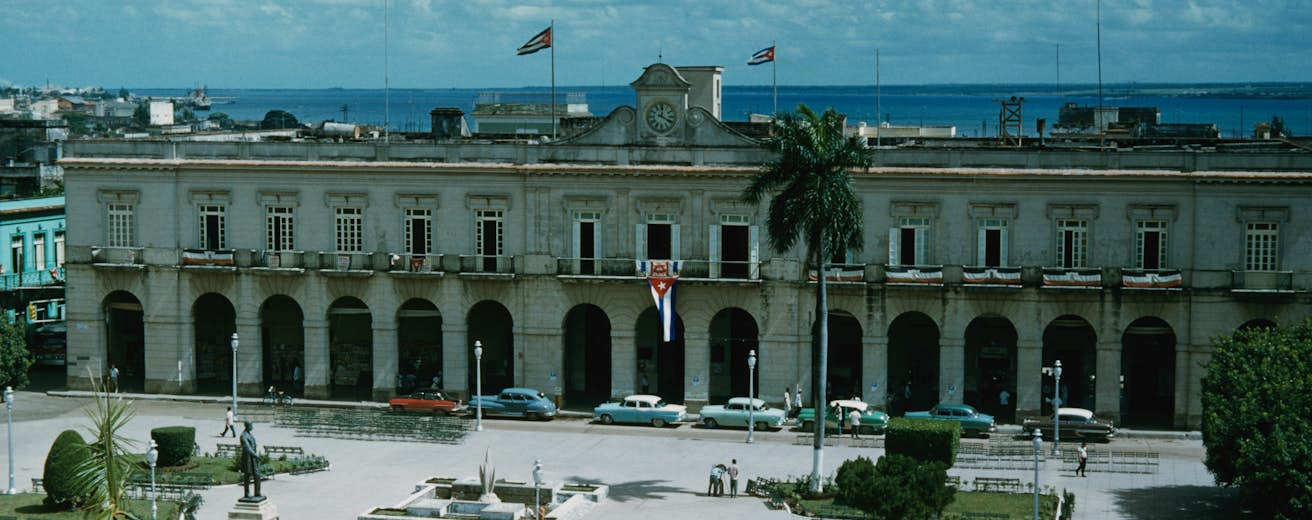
(516, 402)
(973, 423)
(640, 409)
(872, 420)
(427, 401)
(735, 413)
(1076, 423)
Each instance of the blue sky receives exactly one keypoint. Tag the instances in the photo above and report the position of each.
(471, 43)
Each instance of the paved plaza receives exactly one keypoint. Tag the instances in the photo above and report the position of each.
(655, 474)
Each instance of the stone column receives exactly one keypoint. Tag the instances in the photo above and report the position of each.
(874, 370)
(539, 360)
(317, 369)
(623, 362)
(1107, 384)
(384, 356)
(1187, 405)
(1029, 379)
(250, 354)
(161, 343)
(696, 369)
(456, 348)
(951, 369)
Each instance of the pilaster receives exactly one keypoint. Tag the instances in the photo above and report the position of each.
(1107, 384)
(623, 361)
(455, 358)
(316, 358)
(1029, 379)
(384, 356)
(951, 369)
(696, 370)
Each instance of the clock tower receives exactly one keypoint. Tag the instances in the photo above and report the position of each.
(662, 99)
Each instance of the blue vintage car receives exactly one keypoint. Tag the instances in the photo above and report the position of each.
(973, 423)
(515, 402)
(640, 409)
(734, 413)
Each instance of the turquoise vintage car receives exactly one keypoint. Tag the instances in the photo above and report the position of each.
(872, 420)
(973, 423)
(515, 402)
(735, 412)
(640, 409)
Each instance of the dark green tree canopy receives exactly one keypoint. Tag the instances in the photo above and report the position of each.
(1257, 418)
(15, 359)
(275, 119)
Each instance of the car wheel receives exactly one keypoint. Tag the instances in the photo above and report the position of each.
(762, 425)
(397, 408)
(710, 423)
(606, 419)
(533, 416)
(808, 426)
(438, 412)
(659, 423)
(970, 433)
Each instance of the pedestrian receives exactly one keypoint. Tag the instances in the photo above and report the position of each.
(1084, 460)
(646, 387)
(788, 402)
(797, 400)
(733, 478)
(296, 378)
(113, 377)
(854, 422)
(229, 424)
(716, 485)
(1004, 398)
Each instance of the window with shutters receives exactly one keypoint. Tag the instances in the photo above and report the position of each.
(1072, 243)
(586, 241)
(349, 224)
(119, 225)
(16, 253)
(1150, 244)
(279, 228)
(488, 239)
(733, 247)
(991, 250)
(908, 243)
(59, 249)
(418, 231)
(39, 252)
(658, 238)
(1262, 246)
(212, 226)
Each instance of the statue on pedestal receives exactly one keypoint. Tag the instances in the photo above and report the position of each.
(250, 467)
(487, 477)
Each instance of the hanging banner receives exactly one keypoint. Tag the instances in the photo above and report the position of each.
(662, 275)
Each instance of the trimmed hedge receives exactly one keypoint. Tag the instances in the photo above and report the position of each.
(68, 450)
(925, 440)
(175, 444)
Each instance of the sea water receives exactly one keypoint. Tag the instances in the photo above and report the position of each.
(972, 109)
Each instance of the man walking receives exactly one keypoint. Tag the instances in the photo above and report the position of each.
(1084, 460)
(854, 422)
(797, 400)
(788, 402)
(113, 377)
(229, 424)
(733, 478)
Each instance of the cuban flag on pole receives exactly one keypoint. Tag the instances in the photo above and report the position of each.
(538, 42)
(765, 55)
(662, 276)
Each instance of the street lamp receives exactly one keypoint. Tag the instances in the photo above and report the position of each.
(1038, 447)
(751, 394)
(1056, 408)
(233, 342)
(152, 457)
(9, 414)
(478, 389)
(537, 489)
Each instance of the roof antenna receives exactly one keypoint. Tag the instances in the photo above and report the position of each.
(660, 53)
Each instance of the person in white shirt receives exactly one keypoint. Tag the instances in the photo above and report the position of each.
(854, 422)
(229, 424)
(788, 402)
(733, 478)
(1084, 460)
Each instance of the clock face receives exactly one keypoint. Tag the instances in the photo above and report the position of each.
(661, 116)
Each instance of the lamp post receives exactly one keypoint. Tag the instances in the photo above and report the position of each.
(478, 388)
(152, 457)
(1038, 447)
(751, 394)
(9, 414)
(537, 489)
(233, 342)
(1056, 407)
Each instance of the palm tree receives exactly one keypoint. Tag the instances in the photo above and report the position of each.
(815, 203)
(102, 478)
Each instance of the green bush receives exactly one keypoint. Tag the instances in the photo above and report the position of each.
(1256, 396)
(896, 487)
(175, 444)
(923, 439)
(854, 479)
(68, 450)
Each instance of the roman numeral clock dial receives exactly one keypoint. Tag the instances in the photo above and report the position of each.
(661, 116)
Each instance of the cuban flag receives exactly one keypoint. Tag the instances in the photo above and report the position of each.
(662, 276)
(765, 55)
(541, 41)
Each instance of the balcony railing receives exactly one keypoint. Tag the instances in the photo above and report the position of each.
(1152, 279)
(1262, 281)
(207, 258)
(117, 255)
(406, 263)
(1070, 277)
(913, 274)
(53, 276)
(270, 259)
(840, 273)
(609, 267)
(487, 264)
(984, 275)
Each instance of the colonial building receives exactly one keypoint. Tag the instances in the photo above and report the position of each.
(374, 265)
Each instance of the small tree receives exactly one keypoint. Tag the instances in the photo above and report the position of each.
(102, 477)
(1256, 396)
(15, 359)
(276, 119)
(141, 115)
(894, 488)
(65, 454)
(221, 119)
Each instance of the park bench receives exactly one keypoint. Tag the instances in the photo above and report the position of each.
(972, 515)
(38, 485)
(954, 481)
(226, 450)
(807, 439)
(283, 450)
(866, 442)
(1000, 484)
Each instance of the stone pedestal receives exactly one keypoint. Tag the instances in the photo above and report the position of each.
(252, 509)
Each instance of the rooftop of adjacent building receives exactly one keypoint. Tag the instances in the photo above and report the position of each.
(30, 205)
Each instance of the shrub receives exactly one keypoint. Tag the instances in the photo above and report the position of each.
(854, 479)
(903, 487)
(924, 440)
(175, 444)
(68, 450)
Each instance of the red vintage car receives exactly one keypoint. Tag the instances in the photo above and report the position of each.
(427, 401)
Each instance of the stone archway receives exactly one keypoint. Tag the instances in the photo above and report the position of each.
(490, 323)
(586, 363)
(843, 371)
(350, 350)
(214, 322)
(990, 363)
(660, 363)
(913, 359)
(1071, 339)
(282, 344)
(733, 335)
(1148, 373)
(125, 340)
(418, 345)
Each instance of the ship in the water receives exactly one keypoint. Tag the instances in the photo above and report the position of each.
(198, 99)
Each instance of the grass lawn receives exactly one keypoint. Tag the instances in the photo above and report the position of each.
(28, 505)
(1015, 505)
(220, 470)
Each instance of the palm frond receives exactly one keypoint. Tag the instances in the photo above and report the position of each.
(102, 477)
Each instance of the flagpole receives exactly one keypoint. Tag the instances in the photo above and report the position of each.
(553, 79)
(879, 109)
(774, 80)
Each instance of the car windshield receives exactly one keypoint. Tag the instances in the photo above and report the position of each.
(660, 404)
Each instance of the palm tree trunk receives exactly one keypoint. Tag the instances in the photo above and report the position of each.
(819, 370)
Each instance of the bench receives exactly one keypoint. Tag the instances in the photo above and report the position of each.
(1000, 484)
(990, 516)
(954, 481)
(283, 450)
(807, 439)
(38, 485)
(226, 450)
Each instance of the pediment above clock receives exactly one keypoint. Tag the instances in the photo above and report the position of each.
(660, 76)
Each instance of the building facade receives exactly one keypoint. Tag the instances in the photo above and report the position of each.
(363, 267)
